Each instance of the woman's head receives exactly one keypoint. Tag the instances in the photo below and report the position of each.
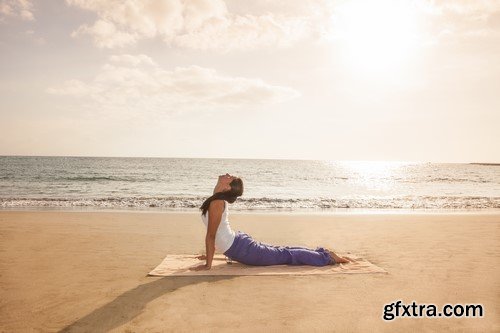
(224, 183)
(228, 188)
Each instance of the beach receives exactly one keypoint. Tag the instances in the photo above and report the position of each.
(86, 271)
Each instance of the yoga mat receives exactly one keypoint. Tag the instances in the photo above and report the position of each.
(179, 264)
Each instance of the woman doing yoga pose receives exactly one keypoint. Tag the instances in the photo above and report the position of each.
(242, 247)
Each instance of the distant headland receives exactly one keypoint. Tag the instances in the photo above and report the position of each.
(494, 164)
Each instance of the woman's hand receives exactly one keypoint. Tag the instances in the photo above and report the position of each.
(200, 268)
(201, 257)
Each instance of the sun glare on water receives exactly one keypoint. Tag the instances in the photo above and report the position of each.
(376, 36)
(373, 175)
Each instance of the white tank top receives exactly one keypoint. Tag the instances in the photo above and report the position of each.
(225, 235)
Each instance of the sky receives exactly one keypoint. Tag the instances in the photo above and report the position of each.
(378, 80)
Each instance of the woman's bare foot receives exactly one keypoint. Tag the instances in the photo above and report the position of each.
(337, 259)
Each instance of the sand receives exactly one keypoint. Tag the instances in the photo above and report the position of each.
(86, 272)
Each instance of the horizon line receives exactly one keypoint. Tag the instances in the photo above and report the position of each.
(242, 158)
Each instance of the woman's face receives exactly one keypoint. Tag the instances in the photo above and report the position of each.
(224, 181)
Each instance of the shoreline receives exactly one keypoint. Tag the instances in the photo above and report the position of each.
(338, 211)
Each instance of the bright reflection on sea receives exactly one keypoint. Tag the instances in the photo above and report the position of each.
(374, 176)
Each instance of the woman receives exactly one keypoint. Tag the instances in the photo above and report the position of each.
(242, 247)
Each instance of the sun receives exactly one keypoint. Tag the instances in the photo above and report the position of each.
(376, 36)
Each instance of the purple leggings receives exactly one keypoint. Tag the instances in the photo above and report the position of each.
(248, 251)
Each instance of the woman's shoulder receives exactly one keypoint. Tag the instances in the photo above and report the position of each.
(218, 203)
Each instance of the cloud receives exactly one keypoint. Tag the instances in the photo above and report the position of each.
(132, 60)
(38, 40)
(106, 35)
(452, 21)
(242, 25)
(16, 8)
(466, 6)
(137, 83)
(203, 24)
(70, 87)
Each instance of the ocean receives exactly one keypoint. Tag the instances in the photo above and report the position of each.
(182, 184)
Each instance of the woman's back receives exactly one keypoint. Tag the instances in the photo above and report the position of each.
(225, 235)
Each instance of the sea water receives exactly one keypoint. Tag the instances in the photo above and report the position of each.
(269, 185)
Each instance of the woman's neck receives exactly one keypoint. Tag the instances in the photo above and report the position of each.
(217, 189)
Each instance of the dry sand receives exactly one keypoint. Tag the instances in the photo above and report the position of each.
(86, 272)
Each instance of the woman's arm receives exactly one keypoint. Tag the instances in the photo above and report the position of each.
(210, 248)
(215, 211)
